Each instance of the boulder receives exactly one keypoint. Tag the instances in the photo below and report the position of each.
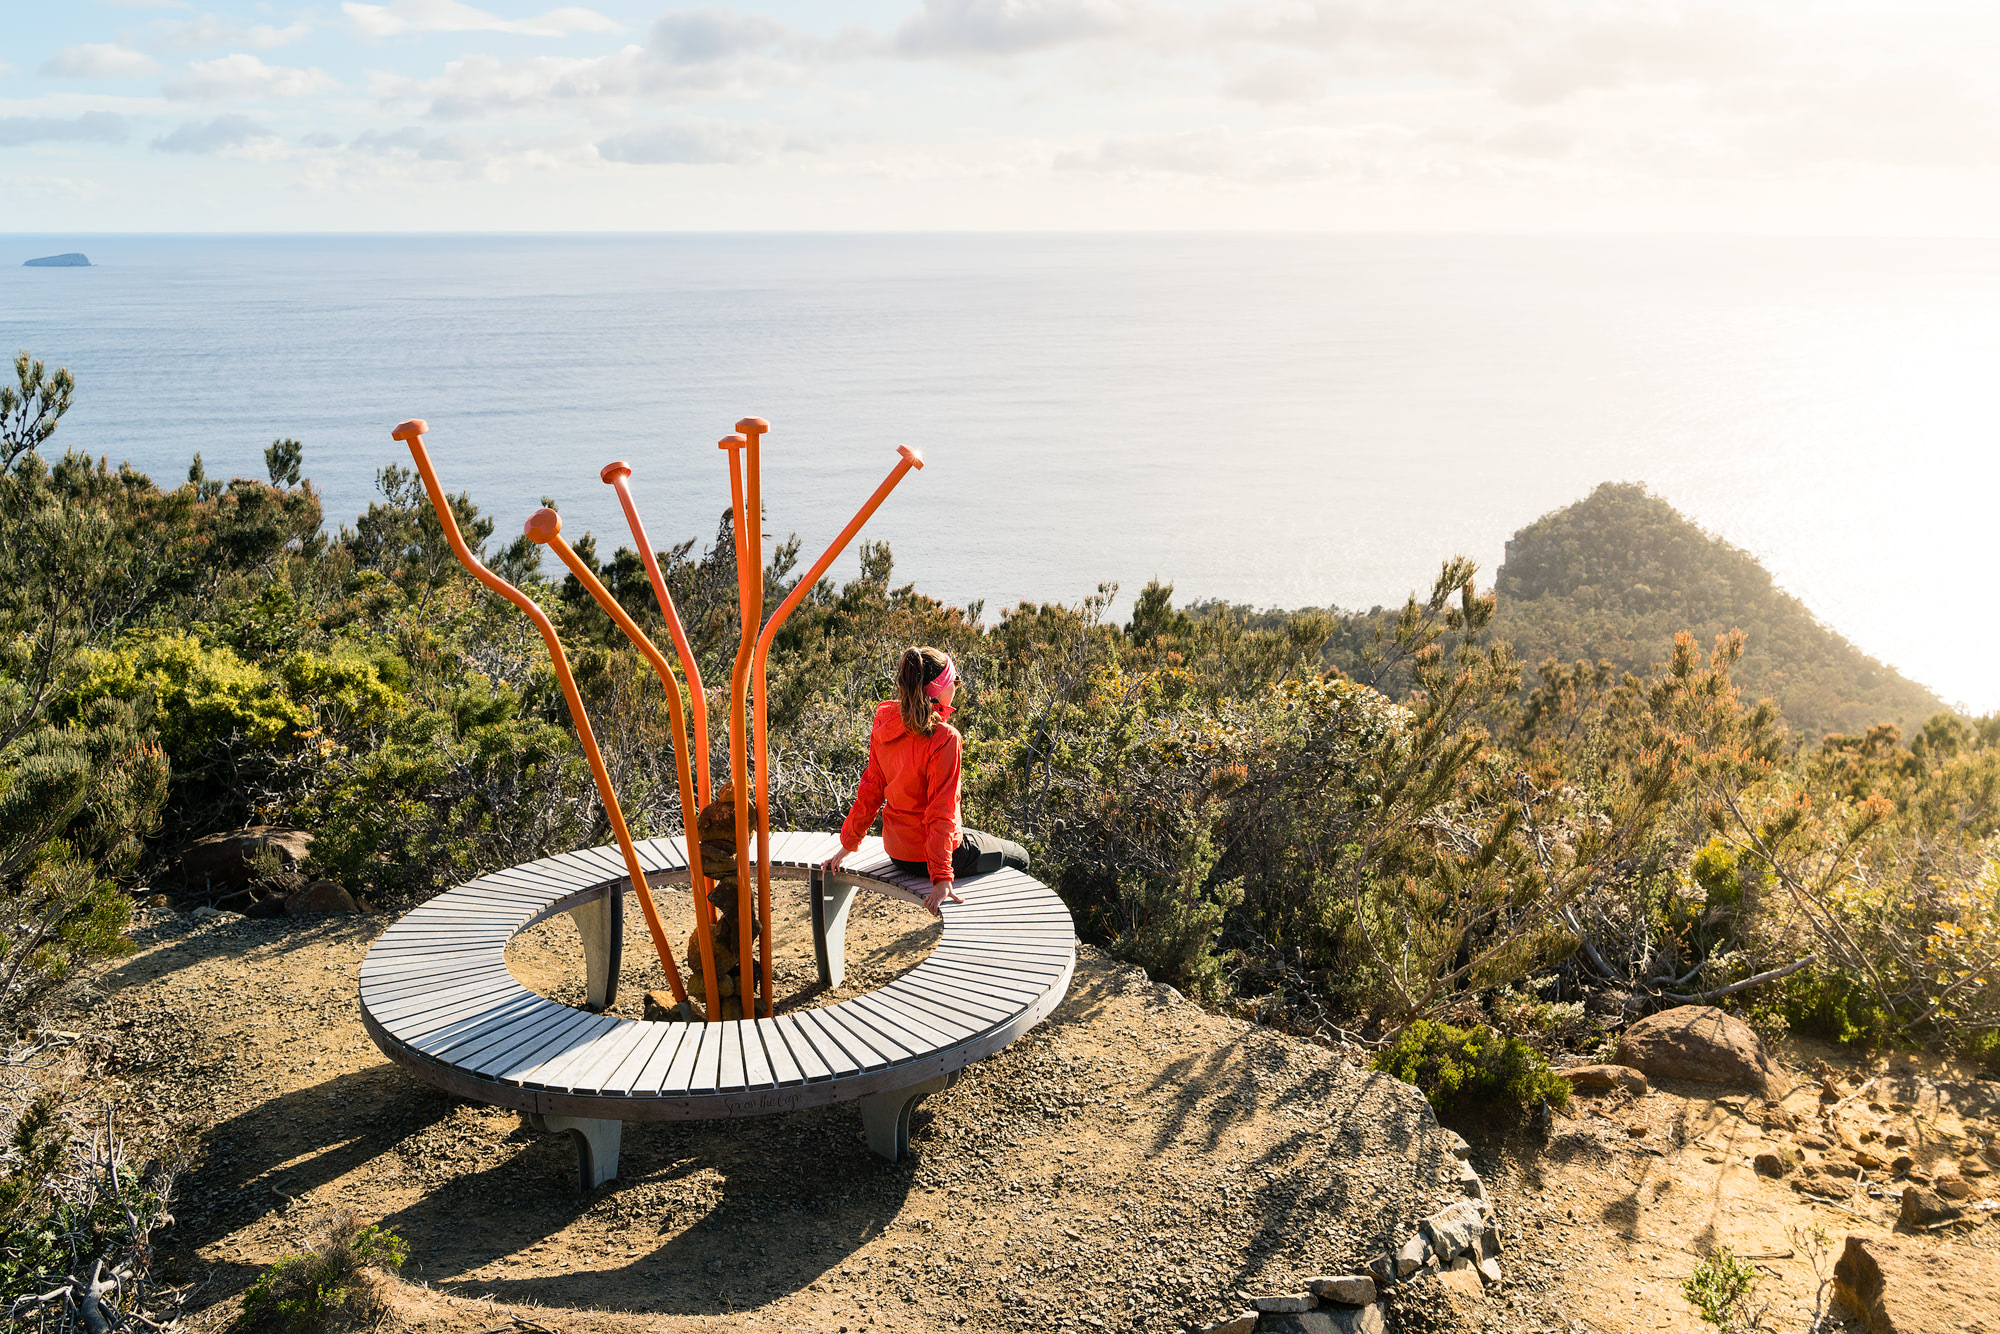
(1774, 1164)
(1922, 1208)
(1285, 1303)
(318, 897)
(1902, 1285)
(1462, 1278)
(1701, 1043)
(1604, 1078)
(1243, 1322)
(223, 861)
(1413, 1255)
(1330, 1320)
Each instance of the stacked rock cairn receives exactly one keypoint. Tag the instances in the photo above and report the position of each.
(715, 826)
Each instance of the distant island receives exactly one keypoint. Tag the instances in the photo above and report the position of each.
(73, 260)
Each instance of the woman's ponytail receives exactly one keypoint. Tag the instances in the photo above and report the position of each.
(917, 668)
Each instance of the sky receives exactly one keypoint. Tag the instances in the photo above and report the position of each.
(1809, 116)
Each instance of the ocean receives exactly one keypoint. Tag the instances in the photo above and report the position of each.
(1277, 420)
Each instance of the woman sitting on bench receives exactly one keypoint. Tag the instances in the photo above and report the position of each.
(912, 779)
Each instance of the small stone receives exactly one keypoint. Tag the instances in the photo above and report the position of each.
(1814, 1142)
(203, 914)
(1285, 1302)
(1489, 1242)
(1463, 1278)
(1469, 1182)
(1895, 1139)
(1952, 1186)
(1452, 1230)
(1242, 1323)
(1412, 1255)
(1921, 1207)
(1489, 1269)
(1456, 1143)
(1972, 1167)
(1769, 1164)
(1383, 1267)
(1637, 1130)
(1865, 1159)
(1346, 1289)
(1903, 1163)
(1833, 1167)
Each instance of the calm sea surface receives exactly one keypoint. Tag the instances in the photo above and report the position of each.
(1274, 420)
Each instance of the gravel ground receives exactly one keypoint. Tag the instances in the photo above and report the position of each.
(1133, 1163)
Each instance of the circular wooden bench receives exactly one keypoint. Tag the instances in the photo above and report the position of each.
(438, 998)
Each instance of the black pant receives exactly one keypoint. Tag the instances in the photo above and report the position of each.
(977, 854)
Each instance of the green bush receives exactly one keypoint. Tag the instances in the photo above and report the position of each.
(1832, 1005)
(1472, 1068)
(331, 1285)
(1171, 923)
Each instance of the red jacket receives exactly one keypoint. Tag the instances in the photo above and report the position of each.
(913, 781)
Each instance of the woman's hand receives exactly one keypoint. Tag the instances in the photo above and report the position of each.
(833, 863)
(940, 895)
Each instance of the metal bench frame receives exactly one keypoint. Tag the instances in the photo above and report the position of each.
(437, 998)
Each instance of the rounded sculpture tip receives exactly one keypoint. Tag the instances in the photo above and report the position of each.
(753, 426)
(542, 526)
(410, 429)
(614, 470)
(915, 457)
(731, 442)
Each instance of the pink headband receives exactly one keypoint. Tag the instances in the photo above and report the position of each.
(937, 685)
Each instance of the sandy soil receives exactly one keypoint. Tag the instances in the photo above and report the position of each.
(1132, 1163)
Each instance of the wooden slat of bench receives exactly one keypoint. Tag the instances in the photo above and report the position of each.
(549, 882)
(929, 993)
(650, 1077)
(812, 1066)
(450, 907)
(386, 987)
(1002, 988)
(1000, 954)
(1038, 924)
(388, 1008)
(502, 887)
(440, 936)
(609, 862)
(507, 1063)
(385, 973)
(913, 1030)
(784, 1069)
(855, 1037)
(756, 1065)
(729, 1073)
(681, 1071)
(843, 1054)
(624, 1078)
(661, 854)
(1017, 972)
(506, 1026)
(438, 1036)
(706, 1076)
(582, 1068)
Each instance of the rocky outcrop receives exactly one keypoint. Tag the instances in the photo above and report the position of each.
(1701, 1043)
(71, 260)
(1896, 1285)
(1603, 1078)
(223, 863)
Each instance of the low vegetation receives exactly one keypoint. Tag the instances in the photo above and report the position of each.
(334, 1284)
(1338, 823)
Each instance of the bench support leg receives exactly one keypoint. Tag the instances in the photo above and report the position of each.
(601, 924)
(596, 1146)
(886, 1116)
(830, 899)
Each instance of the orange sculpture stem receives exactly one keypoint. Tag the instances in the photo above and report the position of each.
(910, 459)
(615, 474)
(412, 433)
(545, 526)
(739, 678)
(753, 507)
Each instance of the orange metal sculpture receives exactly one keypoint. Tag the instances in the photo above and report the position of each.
(746, 687)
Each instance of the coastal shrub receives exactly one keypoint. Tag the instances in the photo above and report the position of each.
(1171, 923)
(1721, 1288)
(77, 1217)
(334, 1284)
(1472, 1069)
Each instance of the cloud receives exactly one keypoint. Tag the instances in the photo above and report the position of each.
(320, 139)
(244, 75)
(1285, 155)
(98, 60)
(102, 127)
(707, 36)
(406, 16)
(212, 136)
(1011, 27)
(213, 30)
(691, 142)
(146, 4)
(418, 145)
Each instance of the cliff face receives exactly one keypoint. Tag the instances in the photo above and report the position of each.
(1616, 574)
(72, 260)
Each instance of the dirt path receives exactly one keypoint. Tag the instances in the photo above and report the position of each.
(1132, 1163)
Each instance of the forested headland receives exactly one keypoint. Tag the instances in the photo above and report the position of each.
(1627, 772)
